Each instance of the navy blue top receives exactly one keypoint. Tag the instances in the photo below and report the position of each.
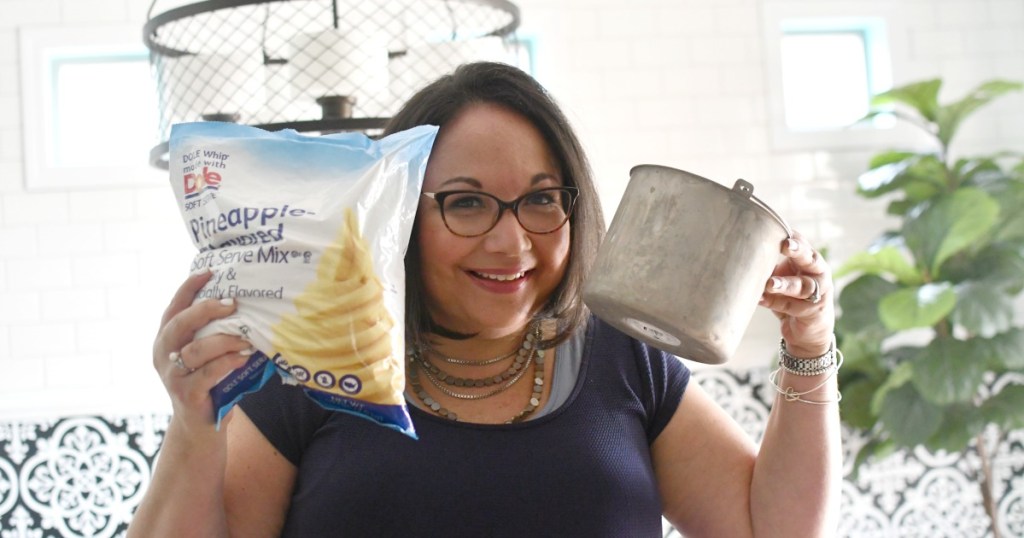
(582, 470)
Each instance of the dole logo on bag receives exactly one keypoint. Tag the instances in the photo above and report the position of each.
(195, 184)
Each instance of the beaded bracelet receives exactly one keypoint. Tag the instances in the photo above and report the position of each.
(833, 355)
(813, 366)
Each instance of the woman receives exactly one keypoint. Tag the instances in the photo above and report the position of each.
(586, 433)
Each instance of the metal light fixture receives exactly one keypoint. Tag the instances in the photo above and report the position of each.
(312, 65)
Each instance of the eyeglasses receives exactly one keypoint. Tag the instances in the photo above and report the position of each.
(473, 213)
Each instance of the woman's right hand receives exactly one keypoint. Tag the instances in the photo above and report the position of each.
(204, 361)
(186, 496)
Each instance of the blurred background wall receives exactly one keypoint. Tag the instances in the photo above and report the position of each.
(86, 269)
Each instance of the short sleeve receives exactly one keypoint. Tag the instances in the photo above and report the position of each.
(285, 416)
(665, 378)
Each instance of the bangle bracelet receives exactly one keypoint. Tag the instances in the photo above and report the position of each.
(829, 363)
(813, 366)
(793, 396)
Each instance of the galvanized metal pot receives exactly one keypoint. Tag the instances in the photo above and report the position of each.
(685, 262)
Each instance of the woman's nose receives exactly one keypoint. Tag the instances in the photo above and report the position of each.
(508, 236)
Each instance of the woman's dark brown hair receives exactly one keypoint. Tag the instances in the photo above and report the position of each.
(508, 86)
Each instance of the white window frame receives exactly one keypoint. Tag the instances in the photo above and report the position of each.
(40, 48)
(880, 21)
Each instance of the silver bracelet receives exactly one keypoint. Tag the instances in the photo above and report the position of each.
(792, 395)
(807, 367)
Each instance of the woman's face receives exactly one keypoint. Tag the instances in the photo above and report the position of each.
(491, 284)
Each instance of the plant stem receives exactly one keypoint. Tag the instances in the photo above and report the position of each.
(987, 485)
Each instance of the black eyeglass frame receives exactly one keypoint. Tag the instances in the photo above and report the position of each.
(512, 205)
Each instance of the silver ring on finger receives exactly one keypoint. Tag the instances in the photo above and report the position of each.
(175, 357)
(815, 295)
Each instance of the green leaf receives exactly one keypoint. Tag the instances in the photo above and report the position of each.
(1006, 408)
(978, 171)
(922, 97)
(960, 425)
(952, 224)
(858, 302)
(919, 306)
(1006, 349)
(883, 169)
(888, 238)
(1019, 170)
(999, 266)
(901, 208)
(861, 356)
(1010, 225)
(920, 176)
(996, 168)
(901, 375)
(908, 418)
(881, 180)
(947, 372)
(885, 261)
(884, 449)
(874, 450)
(890, 157)
(949, 117)
(982, 309)
(855, 407)
(869, 116)
(918, 191)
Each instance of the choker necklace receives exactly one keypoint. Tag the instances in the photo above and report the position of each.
(515, 369)
(529, 348)
(468, 362)
(465, 396)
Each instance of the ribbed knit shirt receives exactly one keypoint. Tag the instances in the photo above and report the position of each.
(584, 469)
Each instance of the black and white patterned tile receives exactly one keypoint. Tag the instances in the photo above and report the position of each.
(76, 476)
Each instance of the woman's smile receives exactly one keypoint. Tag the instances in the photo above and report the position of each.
(500, 282)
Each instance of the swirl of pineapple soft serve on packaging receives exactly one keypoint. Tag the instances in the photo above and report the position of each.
(308, 235)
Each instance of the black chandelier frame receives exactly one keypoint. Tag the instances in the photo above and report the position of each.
(508, 20)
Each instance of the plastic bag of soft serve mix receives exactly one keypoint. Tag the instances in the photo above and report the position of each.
(308, 235)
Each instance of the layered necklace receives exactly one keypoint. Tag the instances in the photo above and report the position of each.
(529, 354)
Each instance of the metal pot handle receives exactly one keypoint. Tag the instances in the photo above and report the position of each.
(744, 187)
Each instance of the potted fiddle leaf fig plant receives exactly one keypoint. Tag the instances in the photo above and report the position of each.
(928, 319)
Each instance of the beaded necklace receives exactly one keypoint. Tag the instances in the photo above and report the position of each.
(465, 396)
(529, 349)
(515, 370)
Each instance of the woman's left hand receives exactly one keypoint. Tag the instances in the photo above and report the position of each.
(799, 293)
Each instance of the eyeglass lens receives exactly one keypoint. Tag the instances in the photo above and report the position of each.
(475, 213)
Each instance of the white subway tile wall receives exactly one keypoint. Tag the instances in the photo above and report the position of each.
(85, 273)
(20, 13)
(95, 11)
(5, 346)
